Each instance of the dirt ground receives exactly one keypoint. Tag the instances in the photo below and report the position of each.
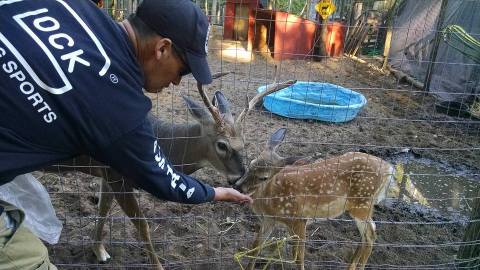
(396, 117)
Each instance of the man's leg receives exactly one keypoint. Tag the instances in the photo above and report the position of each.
(20, 249)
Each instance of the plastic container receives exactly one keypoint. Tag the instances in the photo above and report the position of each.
(317, 101)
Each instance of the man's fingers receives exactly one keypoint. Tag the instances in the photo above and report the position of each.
(232, 195)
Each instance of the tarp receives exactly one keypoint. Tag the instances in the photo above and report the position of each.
(455, 77)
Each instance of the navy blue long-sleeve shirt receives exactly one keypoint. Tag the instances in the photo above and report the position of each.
(70, 85)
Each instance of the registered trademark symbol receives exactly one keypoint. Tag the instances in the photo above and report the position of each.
(113, 78)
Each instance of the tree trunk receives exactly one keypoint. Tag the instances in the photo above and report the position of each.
(214, 12)
(271, 4)
(357, 10)
(220, 10)
(306, 8)
(388, 37)
(469, 255)
(386, 49)
(355, 14)
(320, 52)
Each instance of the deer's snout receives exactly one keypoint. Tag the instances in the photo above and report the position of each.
(242, 180)
(233, 178)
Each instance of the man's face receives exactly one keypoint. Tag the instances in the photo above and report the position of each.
(167, 66)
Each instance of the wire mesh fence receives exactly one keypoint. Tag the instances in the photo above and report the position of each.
(419, 117)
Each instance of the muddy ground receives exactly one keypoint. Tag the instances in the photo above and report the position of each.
(396, 117)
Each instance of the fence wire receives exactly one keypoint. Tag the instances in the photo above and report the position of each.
(436, 141)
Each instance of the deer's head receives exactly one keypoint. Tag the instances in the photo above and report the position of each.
(267, 164)
(224, 142)
(224, 133)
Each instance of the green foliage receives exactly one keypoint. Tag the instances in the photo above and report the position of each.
(291, 6)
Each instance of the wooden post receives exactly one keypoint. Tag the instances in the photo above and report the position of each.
(436, 44)
(355, 14)
(214, 12)
(386, 49)
(219, 13)
(320, 51)
(388, 37)
(470, 253)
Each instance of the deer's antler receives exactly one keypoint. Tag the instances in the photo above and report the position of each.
(213, 110)
(271, 88)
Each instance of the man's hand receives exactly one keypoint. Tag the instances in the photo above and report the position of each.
(231, 195)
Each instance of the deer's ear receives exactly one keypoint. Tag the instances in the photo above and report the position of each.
(276, 139)
(298, 161)
(197, 111)
(221, 102)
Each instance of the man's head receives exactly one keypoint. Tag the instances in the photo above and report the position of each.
(172, 37)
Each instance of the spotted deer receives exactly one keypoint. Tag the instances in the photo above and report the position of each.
(288, 191)
(216, 140)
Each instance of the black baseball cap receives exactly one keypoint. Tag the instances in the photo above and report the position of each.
(186, 25)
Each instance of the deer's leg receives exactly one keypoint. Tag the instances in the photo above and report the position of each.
(105, 203)
(262, 233)
(128, 203)
(362, 253)
(298, 228)
(370, 237)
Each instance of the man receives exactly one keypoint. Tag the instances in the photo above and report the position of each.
(71, 84)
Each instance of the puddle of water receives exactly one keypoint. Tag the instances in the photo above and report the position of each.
(441, 187)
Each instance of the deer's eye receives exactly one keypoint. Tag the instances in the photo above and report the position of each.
(222, 146)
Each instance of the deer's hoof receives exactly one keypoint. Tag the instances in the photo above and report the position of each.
(101, 254)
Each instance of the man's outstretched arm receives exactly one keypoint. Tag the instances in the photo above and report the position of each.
(138, 157)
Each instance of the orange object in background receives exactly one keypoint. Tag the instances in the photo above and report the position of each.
(335, 39)
(278, 33)
(293, 36)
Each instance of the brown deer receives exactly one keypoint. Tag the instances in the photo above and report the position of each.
(288, 191)
(216, 139)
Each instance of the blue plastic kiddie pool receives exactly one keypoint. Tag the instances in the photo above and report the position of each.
(313, 100)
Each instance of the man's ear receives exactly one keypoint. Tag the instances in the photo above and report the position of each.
(163, 47)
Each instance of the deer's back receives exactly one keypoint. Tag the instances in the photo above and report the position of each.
(326, 188)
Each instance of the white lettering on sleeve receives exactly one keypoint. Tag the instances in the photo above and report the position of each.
(190, 192)
(161, 164)
(175, 178)
(169, 170)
